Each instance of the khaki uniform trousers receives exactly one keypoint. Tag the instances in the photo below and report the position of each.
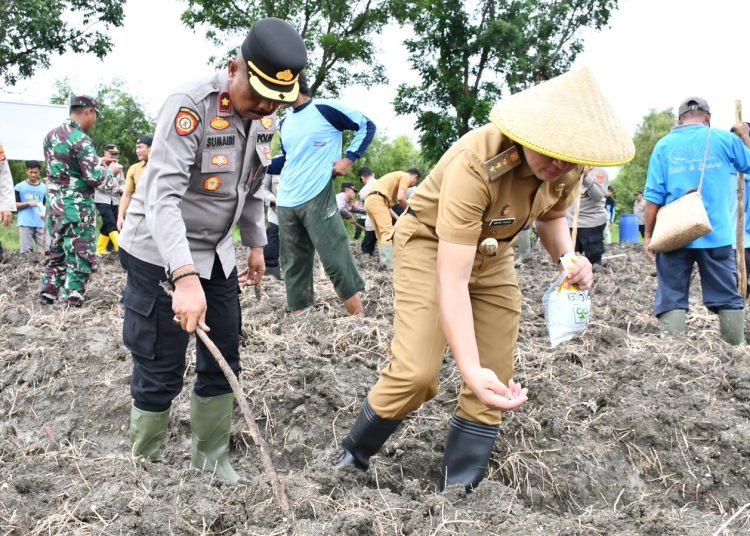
(411, 377)
(377, 208)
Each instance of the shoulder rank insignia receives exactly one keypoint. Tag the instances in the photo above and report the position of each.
(186, 121)
(502, 163)
(225, 103)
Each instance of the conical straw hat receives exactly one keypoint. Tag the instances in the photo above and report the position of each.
(567, 118)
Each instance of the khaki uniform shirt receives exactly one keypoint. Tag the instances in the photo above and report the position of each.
(135, 172)
(482, 187)
(390, 183)
(206, 163)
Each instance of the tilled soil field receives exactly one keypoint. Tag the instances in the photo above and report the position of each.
(624, 432)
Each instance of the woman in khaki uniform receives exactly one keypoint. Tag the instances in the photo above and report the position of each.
(453, 263)
(388, 190)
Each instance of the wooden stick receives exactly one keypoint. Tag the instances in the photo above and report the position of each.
(741, 268)
(239, 395)
(273, 477)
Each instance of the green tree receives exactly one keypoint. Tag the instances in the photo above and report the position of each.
(32, 30)
(385, 155)
(338, 33)
(122, 119)
(468, 54)
(632, 178)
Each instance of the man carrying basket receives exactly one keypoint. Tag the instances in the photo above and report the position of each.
(694, 156)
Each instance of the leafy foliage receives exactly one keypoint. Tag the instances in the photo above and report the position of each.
(32, 30)
(122, 120)
(468, 54)
(338, 33)
(632, 178)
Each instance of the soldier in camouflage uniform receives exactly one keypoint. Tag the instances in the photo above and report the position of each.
(74, 172)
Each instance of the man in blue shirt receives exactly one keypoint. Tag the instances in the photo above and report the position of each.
(675, 169)
(30, 199)
(311, 144)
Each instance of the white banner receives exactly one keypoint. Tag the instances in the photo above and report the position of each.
(24, 126)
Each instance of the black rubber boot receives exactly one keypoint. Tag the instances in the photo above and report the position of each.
(365, 438)
(467, 454)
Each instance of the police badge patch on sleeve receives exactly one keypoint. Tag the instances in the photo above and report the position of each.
(186, 121)
(2, 154)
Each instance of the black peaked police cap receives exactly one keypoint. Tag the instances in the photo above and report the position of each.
(275, 56)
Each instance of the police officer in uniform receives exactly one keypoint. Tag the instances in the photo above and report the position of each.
(454, 278)
(209, 154)
(107, 205)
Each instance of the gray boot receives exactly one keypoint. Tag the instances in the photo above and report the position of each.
(147, 432)
(732, 326)
(211, 418)
(385, 252)
(274, 271)
(672, 322)
(524, 247)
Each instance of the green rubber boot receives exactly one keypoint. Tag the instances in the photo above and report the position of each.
(211, 419)
(732, 326)
(385, 253)
(147, 432)
(672, 322)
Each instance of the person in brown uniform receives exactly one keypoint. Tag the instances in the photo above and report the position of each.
(388, 190)
(451, 287)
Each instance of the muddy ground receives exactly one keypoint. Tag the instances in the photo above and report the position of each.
(624, 432)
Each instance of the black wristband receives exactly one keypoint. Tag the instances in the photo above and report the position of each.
(186, 274)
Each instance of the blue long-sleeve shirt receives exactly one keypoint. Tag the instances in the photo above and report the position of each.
(311, 141)
(675, 168)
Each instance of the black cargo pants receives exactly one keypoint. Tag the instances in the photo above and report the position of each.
(158, 345)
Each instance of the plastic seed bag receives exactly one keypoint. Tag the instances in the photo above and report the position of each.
(566, 308)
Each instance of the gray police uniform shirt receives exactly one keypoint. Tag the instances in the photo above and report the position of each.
(267, 193)
(206, 163)
(111, 196)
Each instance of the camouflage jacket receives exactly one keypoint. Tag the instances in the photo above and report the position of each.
(74, 172)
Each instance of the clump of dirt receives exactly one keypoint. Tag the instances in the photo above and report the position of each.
(624, 432)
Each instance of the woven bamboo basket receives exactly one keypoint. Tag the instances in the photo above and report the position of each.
(679, 223)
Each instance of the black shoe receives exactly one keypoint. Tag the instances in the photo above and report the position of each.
(45, 300)
(365, 438)
(467, 454)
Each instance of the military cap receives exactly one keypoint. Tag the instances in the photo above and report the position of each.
(82, 101)
(112, 148)
(275, 56)
(145, 140)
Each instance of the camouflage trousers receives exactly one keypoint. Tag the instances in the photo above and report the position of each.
(71, 260)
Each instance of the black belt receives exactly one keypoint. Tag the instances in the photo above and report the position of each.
(380, 194)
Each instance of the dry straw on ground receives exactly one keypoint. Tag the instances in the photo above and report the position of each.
(624, 433)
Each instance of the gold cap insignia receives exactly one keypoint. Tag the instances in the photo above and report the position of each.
(286, 75)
